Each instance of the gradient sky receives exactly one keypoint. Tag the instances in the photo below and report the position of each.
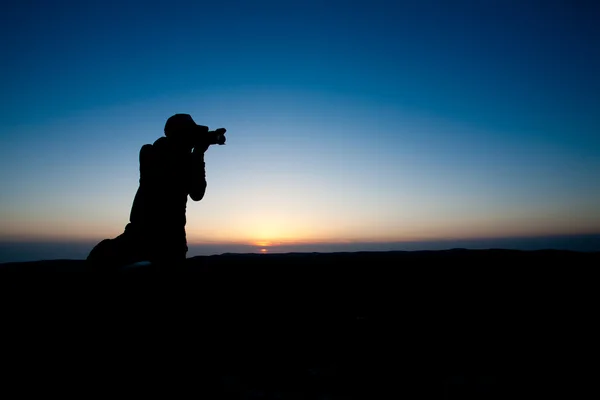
(347, 120)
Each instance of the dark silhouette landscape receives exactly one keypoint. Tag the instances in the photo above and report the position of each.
(453, 324)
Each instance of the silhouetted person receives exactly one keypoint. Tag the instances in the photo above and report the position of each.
(170, 169)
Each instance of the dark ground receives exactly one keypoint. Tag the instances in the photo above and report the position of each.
(452, 324)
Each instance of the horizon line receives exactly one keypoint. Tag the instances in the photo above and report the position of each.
(32, 250)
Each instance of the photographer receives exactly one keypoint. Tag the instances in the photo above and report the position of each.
(170, 169)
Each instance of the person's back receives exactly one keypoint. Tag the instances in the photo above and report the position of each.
(159, 206)
(170, 169)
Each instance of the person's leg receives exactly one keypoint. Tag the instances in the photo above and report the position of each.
(169, 251)
(126, 248)
(169, 260)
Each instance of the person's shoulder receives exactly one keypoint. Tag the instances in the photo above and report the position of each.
(162, 145)
(161, 142)
(157, 147)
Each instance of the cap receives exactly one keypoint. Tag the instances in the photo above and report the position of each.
(181, 123)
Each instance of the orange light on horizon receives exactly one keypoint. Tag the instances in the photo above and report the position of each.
(263, 243)
(264, 251)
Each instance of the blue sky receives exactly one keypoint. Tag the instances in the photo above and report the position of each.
(364, 121)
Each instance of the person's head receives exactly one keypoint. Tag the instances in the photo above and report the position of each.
(182, 129)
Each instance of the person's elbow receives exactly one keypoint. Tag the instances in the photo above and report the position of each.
(197, 193)
(197, 196)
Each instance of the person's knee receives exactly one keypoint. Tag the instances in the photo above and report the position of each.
(102, 251)
(121, 250)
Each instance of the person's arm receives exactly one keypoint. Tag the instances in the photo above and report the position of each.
(197, 175)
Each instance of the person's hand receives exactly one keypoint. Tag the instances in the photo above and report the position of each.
(201, 148)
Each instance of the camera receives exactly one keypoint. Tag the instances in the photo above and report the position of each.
(204, 137)
(216, 136)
